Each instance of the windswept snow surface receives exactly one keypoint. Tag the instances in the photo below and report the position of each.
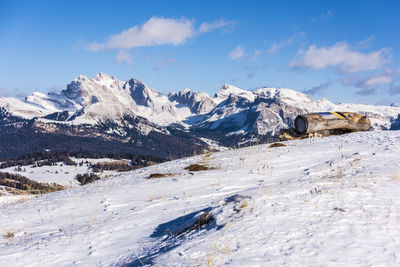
(331, 201)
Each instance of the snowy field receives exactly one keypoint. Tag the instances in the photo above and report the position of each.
(330, 201)
(60, 173)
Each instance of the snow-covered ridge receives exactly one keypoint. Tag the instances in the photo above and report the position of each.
(232, 111)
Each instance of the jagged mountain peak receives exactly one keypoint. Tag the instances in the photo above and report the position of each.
(227, 89)
(283, 94)
(198, 102)
(102, 75)
(140, 92)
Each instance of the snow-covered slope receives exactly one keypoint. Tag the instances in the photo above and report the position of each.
(326, 201)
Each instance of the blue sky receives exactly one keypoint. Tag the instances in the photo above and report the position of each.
(345, 51)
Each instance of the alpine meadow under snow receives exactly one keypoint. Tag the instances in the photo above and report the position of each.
(324, 201)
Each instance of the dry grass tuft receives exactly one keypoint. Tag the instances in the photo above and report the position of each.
(206, 157)
(9, 235)
(196, 167)
(244, 204)
(276, 145)
(159, 175)
(202, 221)
(395, 177)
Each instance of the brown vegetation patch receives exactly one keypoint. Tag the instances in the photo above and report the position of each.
(276, 145)
(159, 175)
(196, 167)
(9, 235)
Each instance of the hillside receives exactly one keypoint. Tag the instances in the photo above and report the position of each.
(326, 201)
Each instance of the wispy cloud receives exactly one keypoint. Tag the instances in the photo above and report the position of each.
(366, 92)
(377, 80)
(236, 53)
(323, 16)
(257, 53)
(252, 69)
(275, 47)
(369, 81)
(366, 43)
(327, 15)
(215, 25)
(319, 88)
(123, 57)
(164, 63)
(157, 31)
(342, 56)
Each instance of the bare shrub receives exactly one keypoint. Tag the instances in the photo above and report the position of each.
(159, 175)
(87, 178)
(196, 167)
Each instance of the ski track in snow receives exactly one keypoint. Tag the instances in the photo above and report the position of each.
(322, 202)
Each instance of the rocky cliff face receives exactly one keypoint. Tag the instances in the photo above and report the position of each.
(141, 119)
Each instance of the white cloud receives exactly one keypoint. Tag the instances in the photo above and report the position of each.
(256, 54)
(366, 43)
(370, 80)
(123, 57)
(275, 47)
(341, 56)
(236, 53)
(218, 24)
(156, 31)
(377, 80)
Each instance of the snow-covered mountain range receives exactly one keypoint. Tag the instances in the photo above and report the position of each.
(129, 116)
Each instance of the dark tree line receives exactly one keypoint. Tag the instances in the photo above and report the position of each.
(38, 160)
(21, 141)
(46, 158)
(22, 183)
(120, 166)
